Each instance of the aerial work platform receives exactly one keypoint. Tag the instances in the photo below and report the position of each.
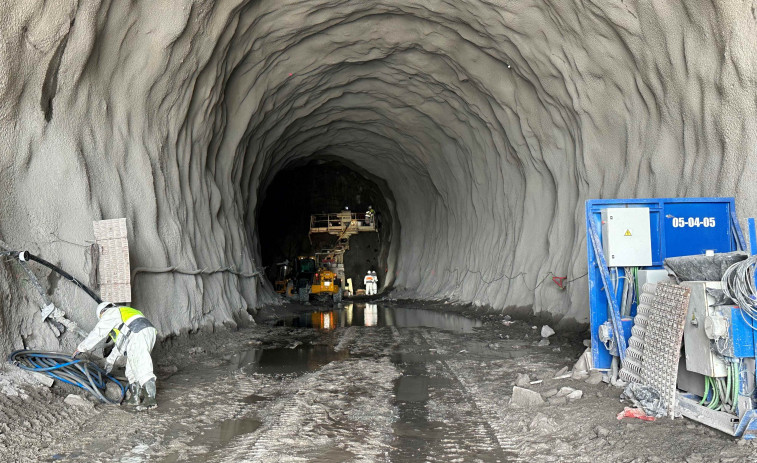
(343, 225)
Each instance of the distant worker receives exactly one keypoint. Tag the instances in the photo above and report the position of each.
(369, 216)
(375, 283)
(368, 282)
(345, 217)
(134, 338)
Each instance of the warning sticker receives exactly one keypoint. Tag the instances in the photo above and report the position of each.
(628, 233)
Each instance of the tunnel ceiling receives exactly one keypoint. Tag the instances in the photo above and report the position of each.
(489, 122)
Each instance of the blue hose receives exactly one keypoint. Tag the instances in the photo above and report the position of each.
(78, 372)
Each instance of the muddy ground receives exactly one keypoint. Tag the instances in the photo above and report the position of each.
(423, 382)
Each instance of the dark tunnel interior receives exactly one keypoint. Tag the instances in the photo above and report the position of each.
(322, 187)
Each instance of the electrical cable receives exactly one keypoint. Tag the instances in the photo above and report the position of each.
(715, 395)
(724, 395)
(26, 256)
(736, 369)
(78, 372)
(509, 277)
(706, 390)
(202, 271)
(739, 285)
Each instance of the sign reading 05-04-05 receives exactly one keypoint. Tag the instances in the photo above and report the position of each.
(707, 222)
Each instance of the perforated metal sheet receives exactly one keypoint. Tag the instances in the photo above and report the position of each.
(114, 269)
(631, 371)
(662, 342)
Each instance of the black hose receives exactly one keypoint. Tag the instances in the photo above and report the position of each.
(78, 372)
(27, 256)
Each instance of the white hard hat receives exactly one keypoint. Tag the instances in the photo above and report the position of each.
(102, 306)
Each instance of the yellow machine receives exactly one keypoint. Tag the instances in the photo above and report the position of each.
(282, 278)
(326, 283)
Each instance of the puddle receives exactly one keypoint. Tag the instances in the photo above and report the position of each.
(215, 438)
(254, 398)
(285, 360)
(373, 315)
(225, 431)
(412, 389)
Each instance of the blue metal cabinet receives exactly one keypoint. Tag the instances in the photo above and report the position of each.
(678, 226)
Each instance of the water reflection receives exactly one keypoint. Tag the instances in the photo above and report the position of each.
(373, 315)
(285, 359)
(370, 315)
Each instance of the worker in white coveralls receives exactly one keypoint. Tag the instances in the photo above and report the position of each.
(134, 338)
(375, 283)
(368, 282)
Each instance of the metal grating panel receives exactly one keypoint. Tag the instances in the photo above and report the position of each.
(115, 280)
(631, 371)
(662, 342)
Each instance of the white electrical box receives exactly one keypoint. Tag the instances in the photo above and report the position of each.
(697, 345)
(626, 237)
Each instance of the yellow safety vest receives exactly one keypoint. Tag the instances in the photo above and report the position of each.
(126, 314)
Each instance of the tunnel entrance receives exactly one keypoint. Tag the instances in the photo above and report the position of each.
(322, 187)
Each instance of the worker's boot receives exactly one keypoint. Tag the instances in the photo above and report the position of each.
(134, 392)
(149, 401)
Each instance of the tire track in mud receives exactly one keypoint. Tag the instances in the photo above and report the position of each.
(484, 406)
(32, 418)
(341, 411)
(439, 420)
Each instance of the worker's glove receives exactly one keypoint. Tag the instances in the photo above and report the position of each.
(108, 367)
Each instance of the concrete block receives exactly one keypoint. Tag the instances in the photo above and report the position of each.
(522, 380)
(549, 393)
(78, 401)
(579, 375)
(595, 377)
(44, 380)
(561, 372)
(525, 398)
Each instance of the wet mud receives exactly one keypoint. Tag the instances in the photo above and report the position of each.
(384, 382)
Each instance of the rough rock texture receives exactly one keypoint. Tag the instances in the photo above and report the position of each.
(490, 122)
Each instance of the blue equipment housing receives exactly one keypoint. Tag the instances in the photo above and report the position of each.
(677, 229)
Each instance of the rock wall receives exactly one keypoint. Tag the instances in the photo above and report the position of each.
(489, 121)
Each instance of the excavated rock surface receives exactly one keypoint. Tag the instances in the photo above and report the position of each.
(490, 122)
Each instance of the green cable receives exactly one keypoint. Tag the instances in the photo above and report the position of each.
(715, 393)
(706, 390)
(716, 396)
(736, 379)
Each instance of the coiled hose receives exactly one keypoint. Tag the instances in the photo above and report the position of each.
(739, 286)
(78, 372)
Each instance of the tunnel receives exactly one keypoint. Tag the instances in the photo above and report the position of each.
(476, 129)
(483, 125)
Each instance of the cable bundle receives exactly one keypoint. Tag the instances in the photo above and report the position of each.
(722, 394)
(738, 285)
(81, 373)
